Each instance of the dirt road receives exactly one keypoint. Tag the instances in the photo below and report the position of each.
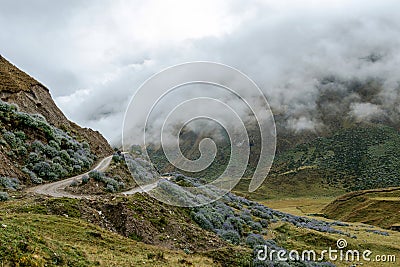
(57, 189)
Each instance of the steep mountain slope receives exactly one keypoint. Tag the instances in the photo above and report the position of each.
(32, 97)
(32, 122)
(40, 150)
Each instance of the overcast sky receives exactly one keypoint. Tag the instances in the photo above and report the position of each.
(93, 55)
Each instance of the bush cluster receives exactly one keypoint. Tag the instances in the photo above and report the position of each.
(55, 156)
(4, 196)
(141, 169)
(111, 185)
(9, 183)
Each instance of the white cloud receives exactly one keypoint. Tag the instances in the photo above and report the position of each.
(365, 111)
(94, 54)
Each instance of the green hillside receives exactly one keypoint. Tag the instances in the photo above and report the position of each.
(355, 158)
(351, 159)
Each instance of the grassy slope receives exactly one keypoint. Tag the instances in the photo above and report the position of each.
(69, 232)
(305, 183)
(380, 207)
(36, 240)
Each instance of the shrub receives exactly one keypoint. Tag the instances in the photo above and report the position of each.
(37, 146)
(255, 226)
(254, 240)
(51, 176)
(264, 223)
(231, 236)
(4, 196)
(20, 135)
(117, 157)
(96, 175)
(58, 169)
(246, 216)
(27, 120)
(33, 157)
(121, 185)
(54, 144)
(202, 221)
(50, 151)
(5, 107)
(77, 168)
(10, 139)
(236, 223)
(110, 188)
(32, 176)
(85, 179)
(86, 145)
(22, 151)
(65, 156)
(9, 183)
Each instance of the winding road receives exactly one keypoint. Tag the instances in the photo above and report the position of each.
(57, 189)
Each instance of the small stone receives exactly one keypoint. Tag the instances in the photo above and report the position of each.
(4, 225)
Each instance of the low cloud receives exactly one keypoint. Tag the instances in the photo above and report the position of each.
(366, 111)
(94, 54)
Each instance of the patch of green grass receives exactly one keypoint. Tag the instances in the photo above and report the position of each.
(57, 206)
